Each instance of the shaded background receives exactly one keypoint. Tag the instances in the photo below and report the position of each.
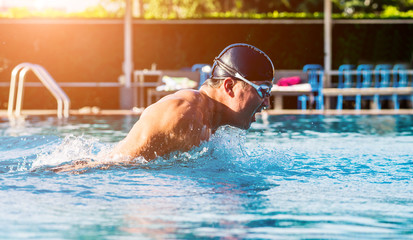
(94, 52)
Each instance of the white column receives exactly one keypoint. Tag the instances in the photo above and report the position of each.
(327, 41)
(128, 62)
(136, 8)
(126, 92)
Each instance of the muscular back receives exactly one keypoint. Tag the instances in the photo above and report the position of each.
(176, 122)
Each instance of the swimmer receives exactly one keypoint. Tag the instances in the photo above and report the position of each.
(239, 87)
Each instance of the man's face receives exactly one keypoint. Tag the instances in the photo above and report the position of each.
(249, 103)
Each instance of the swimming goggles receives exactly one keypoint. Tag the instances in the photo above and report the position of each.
(263, 90)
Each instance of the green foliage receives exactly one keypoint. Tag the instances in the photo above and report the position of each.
(93, 12)
(271, 15)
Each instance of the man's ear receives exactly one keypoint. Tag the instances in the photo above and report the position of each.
(229, 86)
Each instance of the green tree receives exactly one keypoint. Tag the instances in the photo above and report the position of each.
(164, 9)
(178, 8)
(371, 6)
(199, 8)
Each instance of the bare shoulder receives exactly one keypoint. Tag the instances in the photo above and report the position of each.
(173, 123)
(187, 96)
(176, 107)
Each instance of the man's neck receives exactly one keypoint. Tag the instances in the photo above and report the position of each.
(215, 109)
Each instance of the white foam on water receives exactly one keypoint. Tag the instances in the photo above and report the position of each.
(18, 153)
(70, 149)
(22, 166)
(227, 150)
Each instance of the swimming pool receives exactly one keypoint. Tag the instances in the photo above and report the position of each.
(289, 177)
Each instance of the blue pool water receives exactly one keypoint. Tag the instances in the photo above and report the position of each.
(289, 177)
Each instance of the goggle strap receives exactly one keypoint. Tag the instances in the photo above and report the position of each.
(227, 68)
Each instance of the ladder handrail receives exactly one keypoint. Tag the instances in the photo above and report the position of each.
(43, 80)
(12, 91)
(63, 102)
(56, 89)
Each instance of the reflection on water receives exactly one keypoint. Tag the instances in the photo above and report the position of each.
(366, 125)
(378, 125)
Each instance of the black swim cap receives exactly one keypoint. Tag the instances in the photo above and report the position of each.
(249, 61)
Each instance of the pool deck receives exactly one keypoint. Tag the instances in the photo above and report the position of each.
(137, 112)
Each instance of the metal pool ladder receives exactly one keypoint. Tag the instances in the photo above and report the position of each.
(63, 102)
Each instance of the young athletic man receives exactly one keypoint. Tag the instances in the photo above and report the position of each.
(239, 87)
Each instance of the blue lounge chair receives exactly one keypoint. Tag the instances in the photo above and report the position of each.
(400, 79)
(364, 80)
(345, 80)
(204, 71)
(315, 79)
(382, 79)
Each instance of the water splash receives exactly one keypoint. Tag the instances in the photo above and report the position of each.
(70, 149)
(22, 166)
(227, 151)
(18, 153)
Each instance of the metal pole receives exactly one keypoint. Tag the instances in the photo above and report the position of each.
(126, 91)
(327, 41)
(128, 63)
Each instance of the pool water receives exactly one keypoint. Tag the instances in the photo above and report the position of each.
(288, 177)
